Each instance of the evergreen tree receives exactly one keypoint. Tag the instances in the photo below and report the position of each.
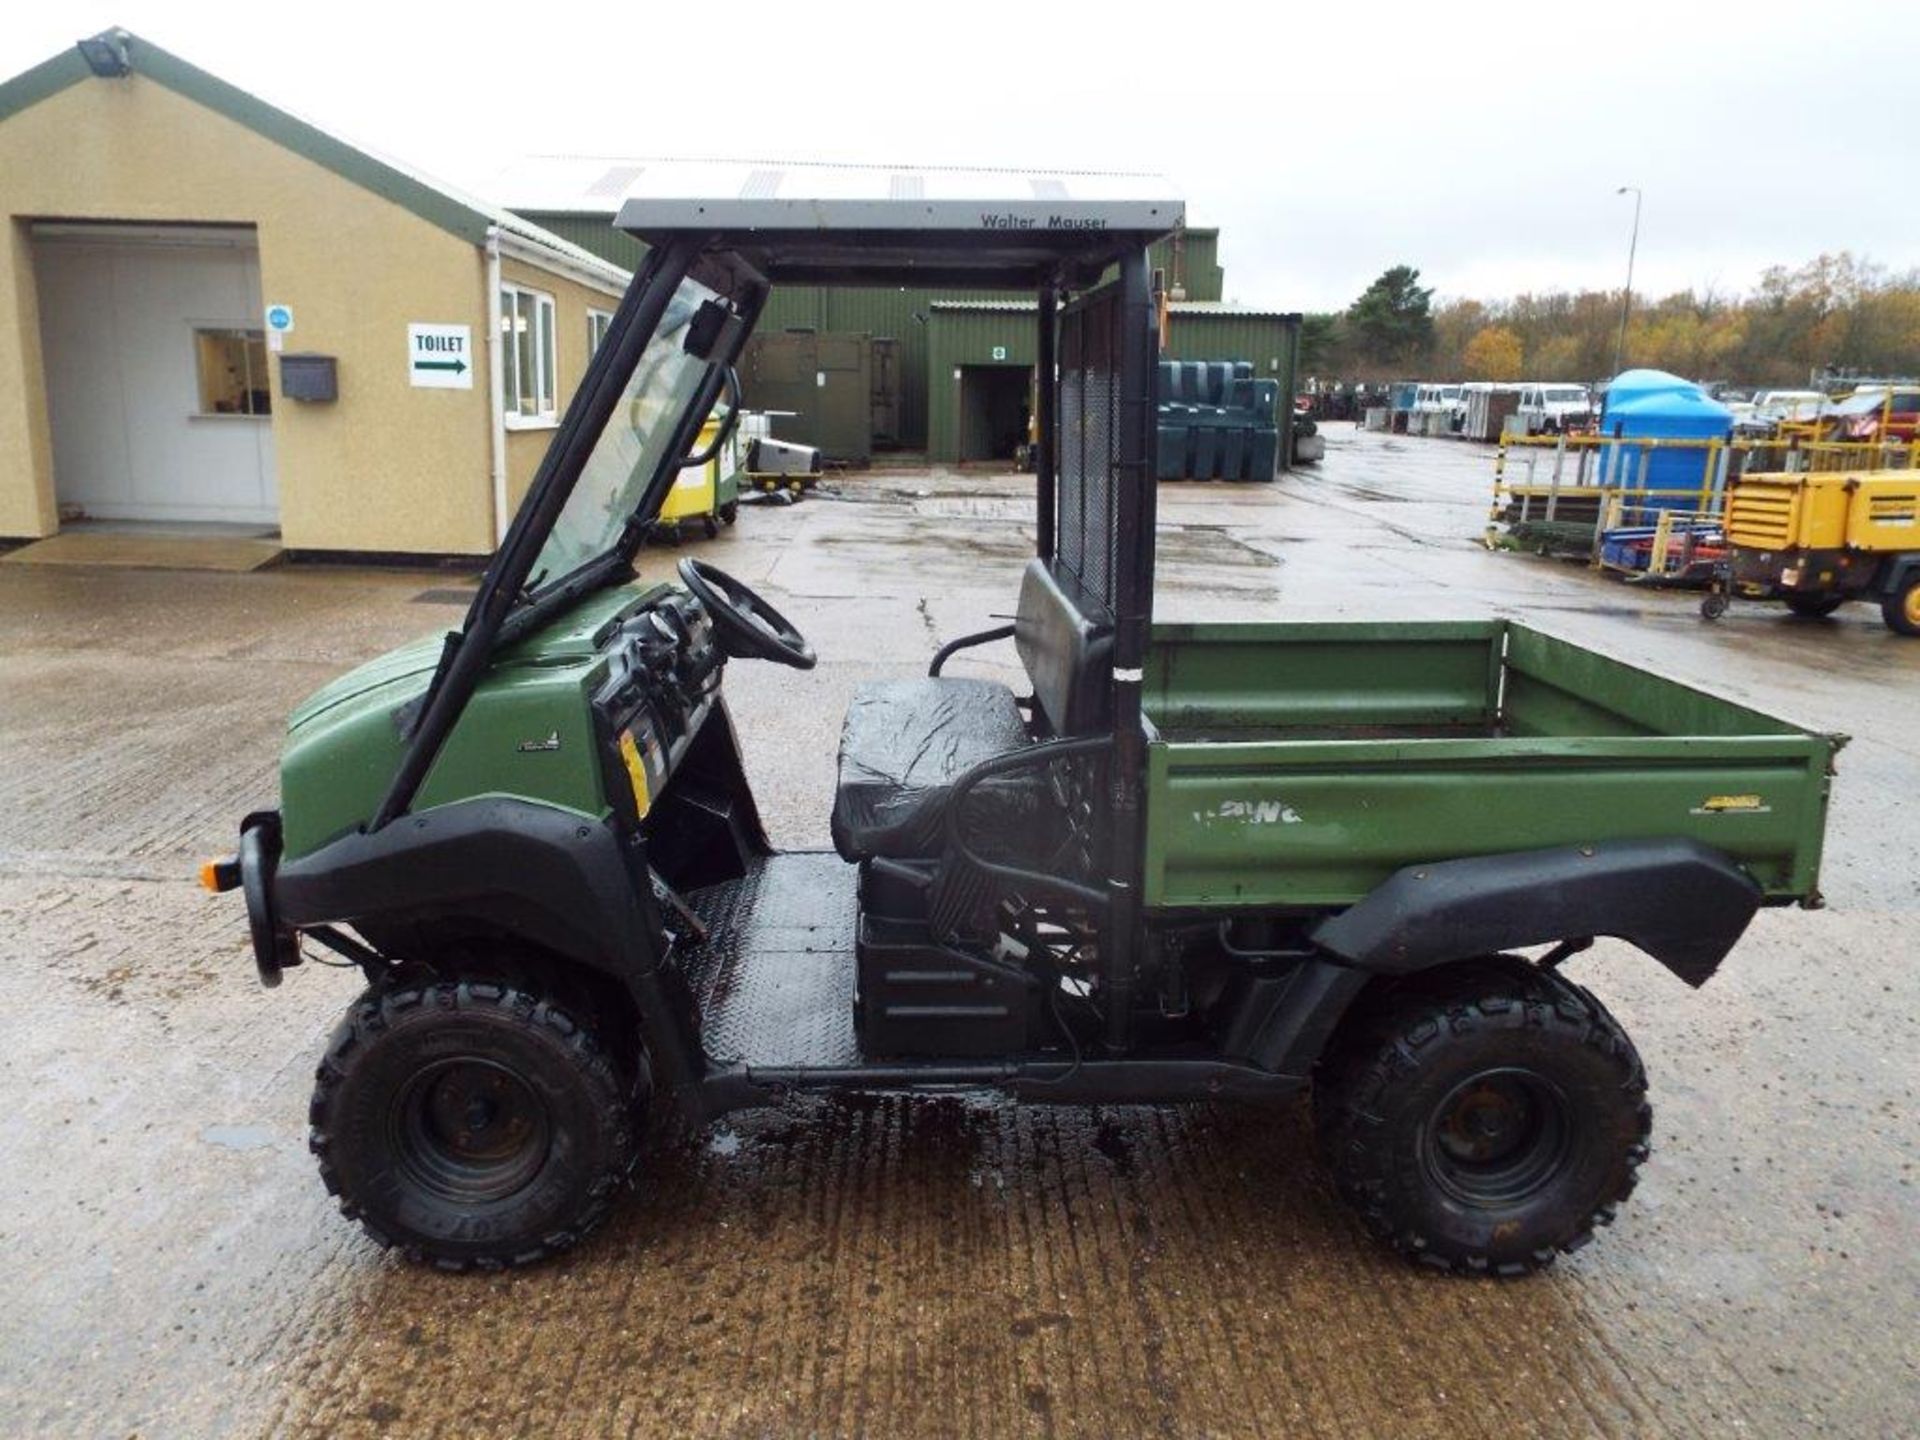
(1392, 321)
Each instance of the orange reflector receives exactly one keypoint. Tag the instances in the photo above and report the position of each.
(219, 876)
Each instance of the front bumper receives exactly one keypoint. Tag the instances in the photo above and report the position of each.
(252, 871)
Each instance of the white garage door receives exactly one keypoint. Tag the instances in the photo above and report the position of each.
(156, 372)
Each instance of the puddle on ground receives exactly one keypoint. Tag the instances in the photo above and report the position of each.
(239, 1137)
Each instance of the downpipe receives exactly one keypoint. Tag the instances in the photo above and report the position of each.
(496, 390)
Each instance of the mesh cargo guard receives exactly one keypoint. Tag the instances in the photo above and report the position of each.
(1090, 380)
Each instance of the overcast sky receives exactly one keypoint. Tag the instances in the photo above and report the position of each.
(1482, 142)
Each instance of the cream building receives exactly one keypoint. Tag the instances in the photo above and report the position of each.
(182, 263)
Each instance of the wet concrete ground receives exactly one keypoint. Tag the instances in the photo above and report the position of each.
(934, 1267)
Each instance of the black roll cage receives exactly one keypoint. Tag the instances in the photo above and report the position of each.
(742, 267)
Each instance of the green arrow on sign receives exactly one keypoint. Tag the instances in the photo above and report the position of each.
(457, 366)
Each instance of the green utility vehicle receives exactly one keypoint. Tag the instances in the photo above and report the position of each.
(1190, 863)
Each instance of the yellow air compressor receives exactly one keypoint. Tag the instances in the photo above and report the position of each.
(1817, 541)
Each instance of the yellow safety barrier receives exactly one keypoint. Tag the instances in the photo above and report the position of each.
(1563, 493)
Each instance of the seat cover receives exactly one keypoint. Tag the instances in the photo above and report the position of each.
(904, 746)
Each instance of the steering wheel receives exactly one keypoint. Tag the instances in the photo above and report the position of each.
(750, 628)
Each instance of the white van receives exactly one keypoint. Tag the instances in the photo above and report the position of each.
(1551, 409)
(1436, 409)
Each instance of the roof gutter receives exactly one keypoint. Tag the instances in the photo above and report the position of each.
(496, 390)
(607, 279)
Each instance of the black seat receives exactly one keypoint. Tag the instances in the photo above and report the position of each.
(904, 746)
(906, 743)
(1068, 655)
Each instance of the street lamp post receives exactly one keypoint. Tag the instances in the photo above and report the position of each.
(1626, 300)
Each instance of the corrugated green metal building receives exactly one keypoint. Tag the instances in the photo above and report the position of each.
(981, 355)
(1189, 264)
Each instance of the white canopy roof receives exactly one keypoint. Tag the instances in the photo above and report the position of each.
(779, 195)
(875, 224)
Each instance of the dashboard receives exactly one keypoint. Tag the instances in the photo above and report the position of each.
(663, 679)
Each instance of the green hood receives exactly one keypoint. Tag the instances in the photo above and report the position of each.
(573, 636)
(344, 744)
(412, 662)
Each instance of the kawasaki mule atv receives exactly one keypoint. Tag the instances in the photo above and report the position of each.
(1188, 862)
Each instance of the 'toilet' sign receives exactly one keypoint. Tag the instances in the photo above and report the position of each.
(440, 357)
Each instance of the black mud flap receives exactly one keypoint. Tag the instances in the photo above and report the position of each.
(1682, 902)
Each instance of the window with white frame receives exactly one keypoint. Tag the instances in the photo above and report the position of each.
(598, 322)
(526, 354)
(233, 371)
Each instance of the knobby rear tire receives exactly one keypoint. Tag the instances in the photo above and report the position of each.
(1387, 1111)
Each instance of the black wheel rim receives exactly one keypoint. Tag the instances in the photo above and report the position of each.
(1498, 1138)
(470, 1130)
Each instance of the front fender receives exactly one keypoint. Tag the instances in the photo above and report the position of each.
(1683, 903)
(562, 881)
(554, 877)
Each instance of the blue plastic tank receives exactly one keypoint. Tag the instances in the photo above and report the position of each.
(1653, 405)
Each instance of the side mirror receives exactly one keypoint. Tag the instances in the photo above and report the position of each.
(712, 331)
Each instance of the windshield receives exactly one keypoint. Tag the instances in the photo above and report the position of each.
(1578, 397)
(629, 450)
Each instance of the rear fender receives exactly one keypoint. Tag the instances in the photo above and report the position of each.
(1683, 903)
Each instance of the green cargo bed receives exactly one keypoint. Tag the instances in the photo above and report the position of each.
(1299, 765)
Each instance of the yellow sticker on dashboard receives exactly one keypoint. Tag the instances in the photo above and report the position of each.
(637, 773)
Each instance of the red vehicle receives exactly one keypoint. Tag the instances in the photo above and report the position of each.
(1878, 414)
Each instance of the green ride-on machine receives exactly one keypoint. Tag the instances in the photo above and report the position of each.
(1182, 863)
